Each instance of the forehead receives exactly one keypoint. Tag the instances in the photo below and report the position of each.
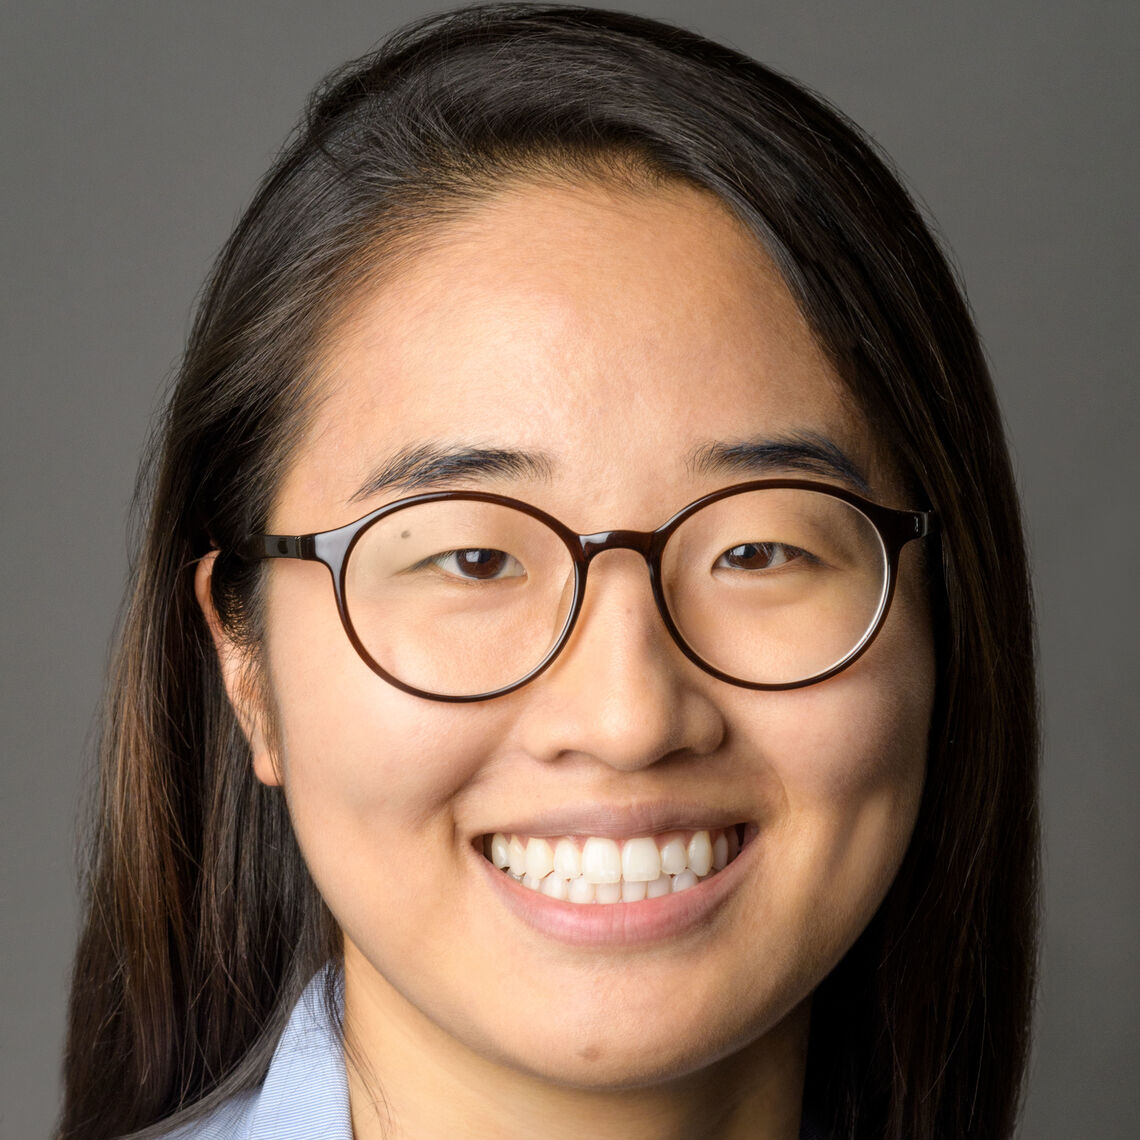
(613, 332)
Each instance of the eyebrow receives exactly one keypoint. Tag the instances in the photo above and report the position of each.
(428, 465)
(807, 452)
(431, 465)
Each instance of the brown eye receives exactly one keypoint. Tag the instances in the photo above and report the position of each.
(479, 564)
(758, 556)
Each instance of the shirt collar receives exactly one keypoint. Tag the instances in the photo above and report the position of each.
(305, 1092)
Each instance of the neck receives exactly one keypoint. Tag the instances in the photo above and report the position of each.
(408, 1077)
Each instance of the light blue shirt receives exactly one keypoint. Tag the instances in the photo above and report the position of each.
(305, 1093)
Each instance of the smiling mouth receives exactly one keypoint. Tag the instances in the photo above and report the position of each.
(597, 869)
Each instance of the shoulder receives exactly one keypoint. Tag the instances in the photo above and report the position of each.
(228, 1121)
(305, 1091)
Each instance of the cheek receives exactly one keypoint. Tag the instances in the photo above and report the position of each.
(843, 764)
(852, 738)
(370, 773)
(862, 736)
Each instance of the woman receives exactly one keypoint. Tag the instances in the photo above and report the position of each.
(459, 844)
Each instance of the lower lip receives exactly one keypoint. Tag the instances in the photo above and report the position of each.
(620, 924)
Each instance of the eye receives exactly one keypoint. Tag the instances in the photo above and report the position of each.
(480, 564)
(759, 556)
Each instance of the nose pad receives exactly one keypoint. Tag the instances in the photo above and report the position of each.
(621, 690)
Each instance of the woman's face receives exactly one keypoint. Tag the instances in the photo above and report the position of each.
(612, 336)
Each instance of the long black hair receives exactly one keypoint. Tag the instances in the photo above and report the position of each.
(196, 943)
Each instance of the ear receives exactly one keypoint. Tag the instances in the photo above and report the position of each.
(237, 674)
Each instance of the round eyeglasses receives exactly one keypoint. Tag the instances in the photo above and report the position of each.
(465, 596)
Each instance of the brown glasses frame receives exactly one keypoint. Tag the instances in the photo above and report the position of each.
(333, 548)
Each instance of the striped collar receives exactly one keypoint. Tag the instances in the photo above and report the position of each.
(305, 1092)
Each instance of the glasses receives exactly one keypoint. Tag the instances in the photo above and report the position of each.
(465, 596)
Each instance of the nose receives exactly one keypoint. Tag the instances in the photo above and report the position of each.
(621, 692)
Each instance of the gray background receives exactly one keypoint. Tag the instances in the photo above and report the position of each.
(133, 133)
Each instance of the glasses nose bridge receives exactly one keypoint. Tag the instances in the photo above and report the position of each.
(640, 541)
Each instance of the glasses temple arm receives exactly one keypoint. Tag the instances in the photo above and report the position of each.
(261, 546)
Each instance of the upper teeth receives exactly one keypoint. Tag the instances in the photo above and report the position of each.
(598, 869)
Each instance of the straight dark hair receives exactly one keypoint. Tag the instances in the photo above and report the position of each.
(202, 925)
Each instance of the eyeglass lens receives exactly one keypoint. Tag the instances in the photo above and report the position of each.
(461, 597)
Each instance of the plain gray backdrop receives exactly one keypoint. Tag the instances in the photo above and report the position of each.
(134, 133)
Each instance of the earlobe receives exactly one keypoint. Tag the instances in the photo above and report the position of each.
(237, 674)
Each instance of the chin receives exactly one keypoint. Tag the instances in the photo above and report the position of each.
(620, 1048)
